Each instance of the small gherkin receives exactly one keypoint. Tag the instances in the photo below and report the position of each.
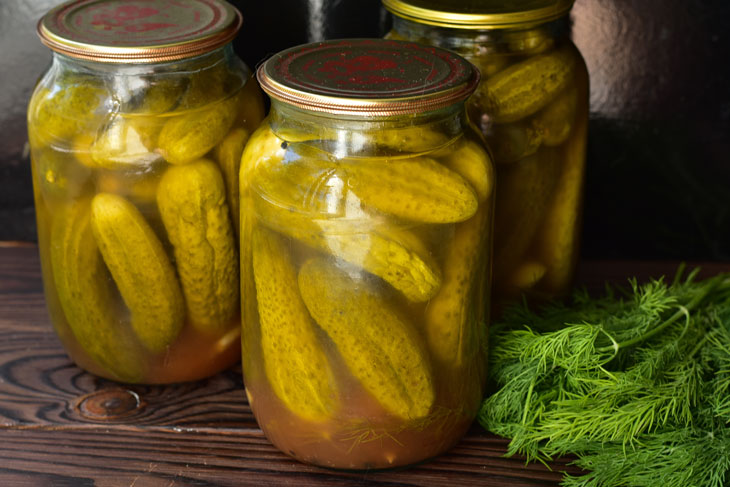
(85, 292)
(192, 203)
(141, 269)
(296, 366)
(379, 346)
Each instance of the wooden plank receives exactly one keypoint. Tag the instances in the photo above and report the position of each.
(62, 426)
(140, 456)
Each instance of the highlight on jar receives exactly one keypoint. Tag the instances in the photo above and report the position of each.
(135, 148)
(368, 197)
(532, 107)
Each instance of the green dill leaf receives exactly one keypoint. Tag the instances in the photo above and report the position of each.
(636, 383)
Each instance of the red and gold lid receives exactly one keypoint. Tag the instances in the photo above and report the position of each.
(368, 77)
(139, 31)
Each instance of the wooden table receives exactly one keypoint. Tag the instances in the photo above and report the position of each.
(60, 426)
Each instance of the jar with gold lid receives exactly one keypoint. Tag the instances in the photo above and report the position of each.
(368, 195)
(136, 131)
(532, 106)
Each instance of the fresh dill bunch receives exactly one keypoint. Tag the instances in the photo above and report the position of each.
(634, 383)
(680, 458)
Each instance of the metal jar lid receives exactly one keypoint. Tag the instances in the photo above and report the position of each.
(368, 77)
(479, 14)
(139, 31)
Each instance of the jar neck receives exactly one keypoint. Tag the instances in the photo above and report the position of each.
(476, 42)
(213, 76)
(349, 136)
(203, 62)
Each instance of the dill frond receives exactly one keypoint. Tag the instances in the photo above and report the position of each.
(635, 383)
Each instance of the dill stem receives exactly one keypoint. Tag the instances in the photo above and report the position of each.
(682, 311)
(527, 402)
(700, 344)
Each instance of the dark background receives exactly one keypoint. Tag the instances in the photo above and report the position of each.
(658, 183)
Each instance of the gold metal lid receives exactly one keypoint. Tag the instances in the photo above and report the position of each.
(139, 31)
(368, 77)
(479, 14)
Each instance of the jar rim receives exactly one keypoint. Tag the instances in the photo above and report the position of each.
(479, 15)
(368, 77)
(135, 31)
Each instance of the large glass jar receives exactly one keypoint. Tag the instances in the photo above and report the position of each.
(136, 132)
(532, 106)
(368, 196)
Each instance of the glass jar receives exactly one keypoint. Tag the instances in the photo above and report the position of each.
(532, 106)
(368, 196)
(135, 146)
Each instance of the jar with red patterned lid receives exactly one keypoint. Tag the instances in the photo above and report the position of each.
(136, 131)
(368, 197)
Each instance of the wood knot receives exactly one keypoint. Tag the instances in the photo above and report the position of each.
(109, 404)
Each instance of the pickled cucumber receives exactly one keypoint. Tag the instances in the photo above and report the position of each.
(155, 100)
(418, 189)
(263, 150)
(204, 87)
(228, 154)
(250, 105)
(141, 269)
(514, 141)
(394, 254)
(159, 95)
(524, 88)
(558, 238)
(189, 136)
(412, 139)
(556, 120)
(57, 115)
(472, 162)
(380, 348)
(525, 189)
(534, 41)
(297, 369)
(86, 295)
(192, 203)
(455, 313)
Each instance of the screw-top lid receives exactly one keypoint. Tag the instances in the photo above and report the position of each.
(139, 31)
(479, 14)
(368, 77)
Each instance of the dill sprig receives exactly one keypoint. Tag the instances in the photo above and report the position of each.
(636, 383)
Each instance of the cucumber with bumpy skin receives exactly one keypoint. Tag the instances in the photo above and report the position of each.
(296, 367)
(141, 269)
(380, 348)
(522, 89)
(86, 295)
(191, 135)
(192, 203)
(228, 154)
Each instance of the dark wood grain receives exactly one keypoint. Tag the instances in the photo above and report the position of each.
(55, 427)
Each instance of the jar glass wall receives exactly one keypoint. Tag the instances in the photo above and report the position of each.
(532, 107)
(135, 174)
(365, 283)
